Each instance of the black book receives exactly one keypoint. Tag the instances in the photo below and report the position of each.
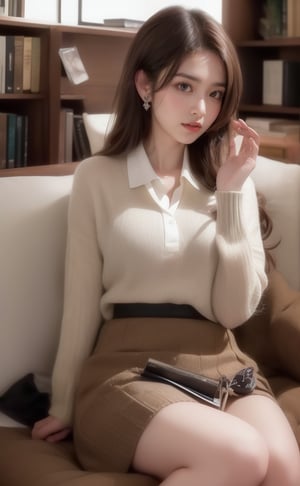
(82, 148)
(9, 63)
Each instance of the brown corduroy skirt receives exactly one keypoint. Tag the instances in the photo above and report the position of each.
(114, 404)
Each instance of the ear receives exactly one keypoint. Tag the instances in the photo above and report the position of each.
(143, 85)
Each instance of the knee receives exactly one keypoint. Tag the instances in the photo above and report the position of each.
(284, 467)
(250, 458)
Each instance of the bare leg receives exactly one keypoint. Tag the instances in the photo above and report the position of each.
(268, 419)
(190, 443)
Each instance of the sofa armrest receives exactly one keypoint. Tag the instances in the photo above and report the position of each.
(272, 335)
(285, 326)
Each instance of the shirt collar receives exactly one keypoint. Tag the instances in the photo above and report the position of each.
(141, 172)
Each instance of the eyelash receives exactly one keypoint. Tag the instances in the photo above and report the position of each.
(220, 94)
(187, 88)
(182, 87)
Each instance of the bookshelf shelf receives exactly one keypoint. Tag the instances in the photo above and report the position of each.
(286, 110)
(72, 97)
(21, 97)
(274, 42)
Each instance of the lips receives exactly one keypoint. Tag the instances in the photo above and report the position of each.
(192, 127)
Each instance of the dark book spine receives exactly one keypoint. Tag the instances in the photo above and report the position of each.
(81, 138)
(9, 64)
(25, 141)
(11, 140)
(291, 84)
(3, 140)
(19, 141)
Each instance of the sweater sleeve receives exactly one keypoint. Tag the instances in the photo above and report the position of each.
(240, 275)
(82, 293)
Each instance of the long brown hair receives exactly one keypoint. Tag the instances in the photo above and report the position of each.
(160, 46)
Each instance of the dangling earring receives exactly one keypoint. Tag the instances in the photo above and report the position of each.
(146, 104)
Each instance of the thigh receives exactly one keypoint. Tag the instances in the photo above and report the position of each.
(194, 435)
(266, 416)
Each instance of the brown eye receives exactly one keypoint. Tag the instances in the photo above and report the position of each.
(217, 94)
(184, 87)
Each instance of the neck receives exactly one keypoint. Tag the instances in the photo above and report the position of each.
(165, 160)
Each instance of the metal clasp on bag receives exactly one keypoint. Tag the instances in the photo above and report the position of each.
(224, 391)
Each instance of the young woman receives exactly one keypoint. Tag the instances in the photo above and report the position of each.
(164, 258)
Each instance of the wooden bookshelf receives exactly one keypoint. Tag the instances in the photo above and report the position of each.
(241, 20)
(102, 51)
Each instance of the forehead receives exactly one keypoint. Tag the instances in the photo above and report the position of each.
(203, 63)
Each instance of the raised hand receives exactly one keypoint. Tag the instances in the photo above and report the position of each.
(239, 163)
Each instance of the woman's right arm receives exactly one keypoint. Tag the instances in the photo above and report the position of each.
(81, 313)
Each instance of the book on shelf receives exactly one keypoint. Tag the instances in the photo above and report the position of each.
(281, 80)
(81, 143)
(73, 140)
(123, 22)
(13, 140)
(9, 63)
(3, 140)
(293, 18)
(35, 64)
(21, 141)
(73, 65)
(281, 18)
(2, 63)
(69, 122)
(27, 59)
(65, 141)
(20, 64)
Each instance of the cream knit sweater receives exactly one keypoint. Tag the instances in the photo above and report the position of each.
(125, 247)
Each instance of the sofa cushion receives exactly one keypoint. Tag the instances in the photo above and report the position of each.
(33, 231)
(41, 463)
(280, 184)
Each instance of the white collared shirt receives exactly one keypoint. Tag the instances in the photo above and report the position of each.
(141, 173)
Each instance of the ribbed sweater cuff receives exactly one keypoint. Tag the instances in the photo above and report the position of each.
(229, 215)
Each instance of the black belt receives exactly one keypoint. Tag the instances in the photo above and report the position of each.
(183, 311)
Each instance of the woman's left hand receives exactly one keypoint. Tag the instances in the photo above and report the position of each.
(238, 165)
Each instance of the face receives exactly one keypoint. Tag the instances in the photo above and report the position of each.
(185, 108)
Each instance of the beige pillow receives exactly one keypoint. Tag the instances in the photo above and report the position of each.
(96, 126)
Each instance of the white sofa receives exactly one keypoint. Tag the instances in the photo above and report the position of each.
(33, 211)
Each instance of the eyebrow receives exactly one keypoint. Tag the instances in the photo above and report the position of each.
(194, 78)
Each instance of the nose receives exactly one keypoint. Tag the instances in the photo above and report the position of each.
(199, 108)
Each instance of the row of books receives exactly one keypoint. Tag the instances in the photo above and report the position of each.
(281, 18)
(281, 81)
(14, 8)
(73, 142)
(13, 140)
(20, 64)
